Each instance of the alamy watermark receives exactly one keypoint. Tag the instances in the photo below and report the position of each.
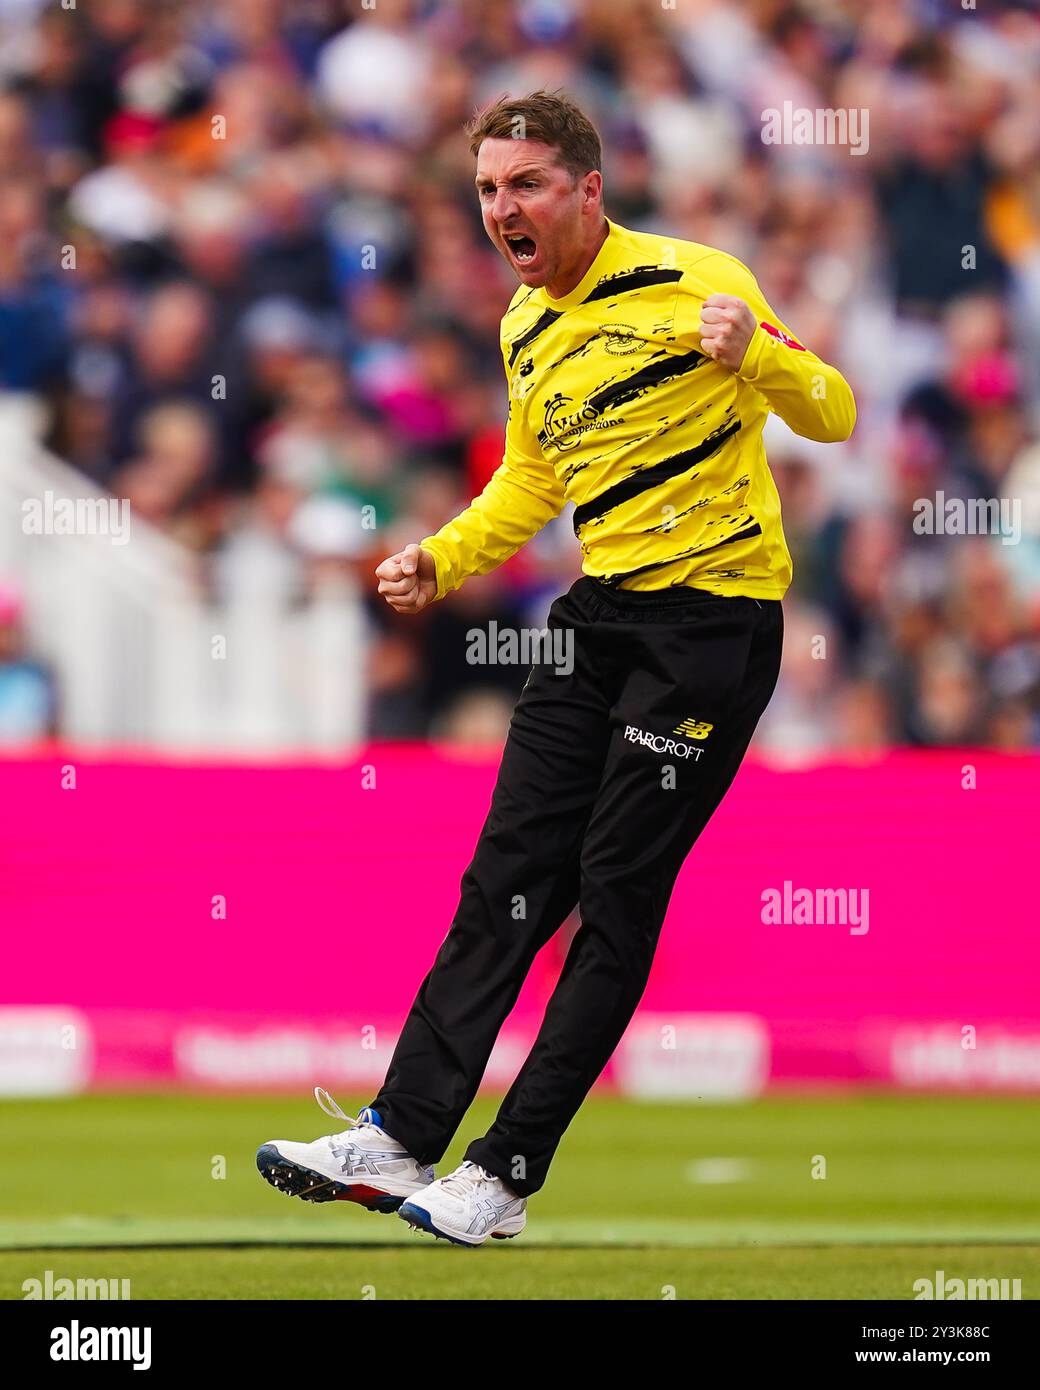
(972, 516)
(525, 646)
(77, 516)
(52, 1287)
(943, 1288)
(829, 907)
(80, 1342)
(804, 125)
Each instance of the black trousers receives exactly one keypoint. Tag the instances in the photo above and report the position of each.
(608, 776)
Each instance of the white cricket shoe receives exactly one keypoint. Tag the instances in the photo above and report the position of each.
(362, 1164)
(466, 1207)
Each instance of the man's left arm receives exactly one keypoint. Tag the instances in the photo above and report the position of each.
(740, 330)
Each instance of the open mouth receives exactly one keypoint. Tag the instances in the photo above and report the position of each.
(521, 246)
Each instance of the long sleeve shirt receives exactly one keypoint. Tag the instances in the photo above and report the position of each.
(614, 407)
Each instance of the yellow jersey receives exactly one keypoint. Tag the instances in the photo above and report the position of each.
(613, 407)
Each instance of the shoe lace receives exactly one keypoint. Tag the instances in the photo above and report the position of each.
(328, 1104)
(466, 1178)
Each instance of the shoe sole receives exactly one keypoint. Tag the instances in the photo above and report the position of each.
(296, 1181)
(421, 1221)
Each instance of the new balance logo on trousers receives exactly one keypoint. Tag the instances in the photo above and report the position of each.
(582, 816)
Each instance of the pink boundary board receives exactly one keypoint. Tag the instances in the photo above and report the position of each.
(338, 895)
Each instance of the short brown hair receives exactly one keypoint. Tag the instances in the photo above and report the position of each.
(548, 117)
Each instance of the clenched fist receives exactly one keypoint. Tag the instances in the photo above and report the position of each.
(727, 325)
(408, 580)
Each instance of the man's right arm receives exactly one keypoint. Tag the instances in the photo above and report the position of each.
(520, 497)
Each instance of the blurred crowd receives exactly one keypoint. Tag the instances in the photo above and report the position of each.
(243, 272)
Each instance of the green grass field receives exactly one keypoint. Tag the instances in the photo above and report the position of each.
(707, 1201)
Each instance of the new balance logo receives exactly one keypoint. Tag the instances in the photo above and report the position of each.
(694, 728)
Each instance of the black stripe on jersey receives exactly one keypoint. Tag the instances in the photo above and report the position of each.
(666, 366)
(515, 308)
(615, 579)
(547, 319)
(627, 280)
(753, 530)
(623, 283)
(653, 476)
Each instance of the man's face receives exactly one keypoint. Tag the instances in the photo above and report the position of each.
(524, 192)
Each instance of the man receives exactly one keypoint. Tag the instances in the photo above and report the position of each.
(641, 371)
